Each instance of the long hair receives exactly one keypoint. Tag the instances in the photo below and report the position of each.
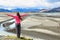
(19, 15)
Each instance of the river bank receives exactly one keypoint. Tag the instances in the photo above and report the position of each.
(32, 23)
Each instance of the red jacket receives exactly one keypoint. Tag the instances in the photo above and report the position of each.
(17, 20)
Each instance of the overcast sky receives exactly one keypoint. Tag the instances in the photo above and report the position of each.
(29, 3)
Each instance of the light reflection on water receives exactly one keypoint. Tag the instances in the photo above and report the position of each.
(3, 32)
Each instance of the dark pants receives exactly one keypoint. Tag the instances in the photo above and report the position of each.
(18, 30)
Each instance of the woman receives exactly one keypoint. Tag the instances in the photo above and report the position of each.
(18, 18)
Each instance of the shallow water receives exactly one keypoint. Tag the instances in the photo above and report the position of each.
(3, 32)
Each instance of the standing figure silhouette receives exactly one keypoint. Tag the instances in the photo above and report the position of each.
(17, 18)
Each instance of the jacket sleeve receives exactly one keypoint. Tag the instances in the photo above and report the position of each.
(10, 15)
(22, 15)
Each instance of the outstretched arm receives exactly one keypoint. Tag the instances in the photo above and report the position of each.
(10, 15)
(22, 15)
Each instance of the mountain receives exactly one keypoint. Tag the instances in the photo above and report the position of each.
(30, 10)
(43, 10)
(51, 10)
(25, 10)
(54, 10)
(20, 10)
(4, 10)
